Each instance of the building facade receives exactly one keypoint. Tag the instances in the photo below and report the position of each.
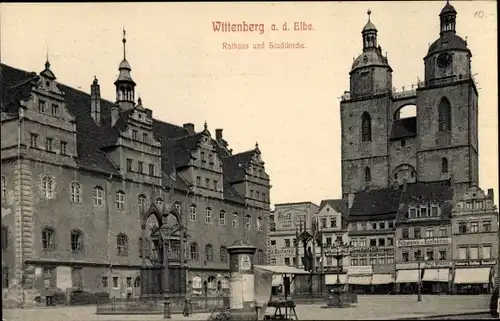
(380, 147)
(423, 238)
(78, 171)
(474, 224)
(284, 224)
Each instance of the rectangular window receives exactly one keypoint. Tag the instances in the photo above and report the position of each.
(129, 164)
(354, 261)
(41, 106)
(294, 261)
(434, 211)
(145, 137)
(251, 193)
(151, 169)
(473, 253)
(287, 242)
(443, 232)
(474, 227)
(373, 242)
(486, 226)
(423, 212)
(140, 167)
(273, 242)
(120, 201)
(417, 233)
(134, 134)
(363, 261)
(207, 183)
(429, 232)
(328, 241)
(413, 212)
(257, 195)
(406, 234)
(198, 180)
(381, 241)
(354, 242)
(373, 260)
(333, 222)
(417, 255)
(48, 144)
(324, 222)
(264, 197)
(462, 227)
(202, 156)
(63, 148)
(390, 241)
(129, 282)
(390, 259)
(381, 260)
(381, 225)
(55, 109)
(287, 261)
(405, 256)
(115, 282)
(442, 254)
(273, 261)
(216, 183)
(104, 282)
(33, 140)
(462, 253)
(429, 255)
(362, 242)
(486, 252)
(374, 225)
(391, 224)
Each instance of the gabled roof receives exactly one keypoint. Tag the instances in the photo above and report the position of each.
(234, 166)
(375, 204)
(404, 127)
(339, 205)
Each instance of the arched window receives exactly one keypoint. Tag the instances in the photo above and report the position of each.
(98, 196)
(48, 238)
(159, 203)
(222, 217)
(259, 223)
(208, 215)
(142, 201)
(193, 248)
(366, 127)
(444, 115)
(4, 189)
(444, 165)
(248, 222)
(122, 244)
(137, 282)
(76, 239)
(192, 212)
(75, 191)
(223, 254)
(236, 220)
(368, 174)
(120, 200)
(48, 187)
(209, 253)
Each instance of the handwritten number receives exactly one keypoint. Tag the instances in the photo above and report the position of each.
(479, 14)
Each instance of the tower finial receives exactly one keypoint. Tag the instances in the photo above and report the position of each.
(256, 145)
(369, 12)
(124, 40)
(205, 125)
(47, 63)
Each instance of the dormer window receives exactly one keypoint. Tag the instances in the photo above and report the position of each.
(140, 167)
(55, 109)
(145, 137)
(41, 106)
(423, 212)
(412, 213)
(134, 134)
(434, 211)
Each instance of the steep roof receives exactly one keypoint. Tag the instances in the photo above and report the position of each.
(339, 205)
(234, 166)
(375, 204)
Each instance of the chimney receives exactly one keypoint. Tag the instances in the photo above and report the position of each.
(491, 195)
(114, 115)
(218, 134)
(95, 101)
(189, 127)
(350, 199)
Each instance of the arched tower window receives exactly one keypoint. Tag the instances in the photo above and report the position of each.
(366, 127)
(444, 165)
(444, 115)
(368, 174)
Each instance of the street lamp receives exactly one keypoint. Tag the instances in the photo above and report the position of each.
(165, 234)
(419, 284)
(339, 251)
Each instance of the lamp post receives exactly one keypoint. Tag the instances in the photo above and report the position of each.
(419, 284)
(338, 252)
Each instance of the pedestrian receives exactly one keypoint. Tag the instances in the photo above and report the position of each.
(494, 304)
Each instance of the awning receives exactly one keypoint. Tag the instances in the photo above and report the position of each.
(277, 280)
(360, 279)
(331, 279)
(436, 275)
(407, 276)
(472, 275)
(281, 269)
(382, 279)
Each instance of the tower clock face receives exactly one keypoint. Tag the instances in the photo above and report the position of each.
(444, 60)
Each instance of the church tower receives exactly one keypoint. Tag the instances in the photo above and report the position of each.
(364, 113)
(125, 85)
(447, 121)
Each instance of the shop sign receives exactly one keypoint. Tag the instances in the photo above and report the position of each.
(476, 263)
(358, 270)
(435, 265)
(423, 242)
(406, 266)
(423, 265)
(372, 249)
(286, 252)
(332, 269)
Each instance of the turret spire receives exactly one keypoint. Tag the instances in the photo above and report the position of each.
(124, 40)
(369, 34)
(125, 85)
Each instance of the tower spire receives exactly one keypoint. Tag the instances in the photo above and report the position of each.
(124, 40)
(47, 63)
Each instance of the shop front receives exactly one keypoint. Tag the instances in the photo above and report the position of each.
(360, 278)
(436, 277)
(473, 277)
(333, 276)
(407, 277)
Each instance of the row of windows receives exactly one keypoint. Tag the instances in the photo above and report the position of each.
(444, 121)
(380, 225)
(116, 282)
(423, 211)
(373, 260)
(43, 108)
(223, 255)
(473, 227)
(429, 232)
(145, 136)
(214, 186)
(368, 173)
(323, 222)
(49, 144)
(49, 241)
(372, 241)
(429, 255)
(141, 169)
(474, 252)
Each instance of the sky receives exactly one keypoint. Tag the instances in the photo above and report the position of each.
(287, 100)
